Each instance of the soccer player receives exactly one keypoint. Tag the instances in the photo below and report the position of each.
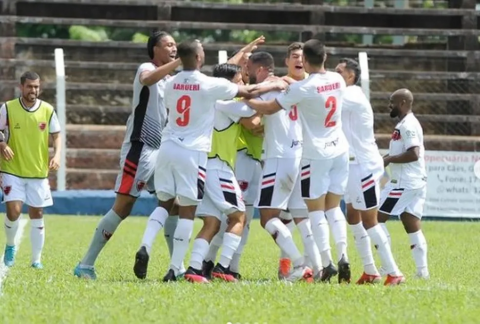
(222, 191)
(365, 171)
(190, 98)
(294, 63)
(324, 167)
(29, 122)
(406, 191)
(280, 185)
(139, 151)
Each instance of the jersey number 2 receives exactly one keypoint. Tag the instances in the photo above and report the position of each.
(330, 104)
(293, 114)
(183, 108)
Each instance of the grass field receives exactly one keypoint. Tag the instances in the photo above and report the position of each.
(54, 295)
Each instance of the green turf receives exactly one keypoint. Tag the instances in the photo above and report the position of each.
(54, 295)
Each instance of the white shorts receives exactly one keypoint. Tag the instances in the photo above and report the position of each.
(180, 172)
(280, 185)
(222, 194)
(363, 187)
(33, 192)
(137, 164)
(248, 172)
(396, 201)
(321, 176)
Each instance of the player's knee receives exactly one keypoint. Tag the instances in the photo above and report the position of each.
(123, 205)
(236, 217)
(410, 222)
(382, 217)
(332, 199)
(174, 208)
(353, 216)
(35, 213)
(13, 210)
(211, 226)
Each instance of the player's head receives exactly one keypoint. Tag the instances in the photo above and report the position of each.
(259, 66)
(314, 55)
(161, 47)
(349, 69)
(244, 65)
(294, 61)
(191, 54)
(231, 72)
(400, 102)
(30, 86)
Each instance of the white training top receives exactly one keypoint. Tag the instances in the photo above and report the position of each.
(407, 134)
(190, 98)
(357, 125)
(283, 136)
(318, 99)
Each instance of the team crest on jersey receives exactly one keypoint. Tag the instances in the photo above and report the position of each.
(396, 135)
(243, 185)
(140, 185)
(7, 189)
(42, 126)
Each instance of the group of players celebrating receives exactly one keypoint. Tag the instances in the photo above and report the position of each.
(292, 146)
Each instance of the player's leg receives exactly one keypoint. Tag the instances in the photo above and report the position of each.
(411, 220)
(39, 196)
(250, 192)
(127, 191)
(189, 172)
(227, 196)
(170, 226)
(211, 224)
(338, 224)
(392, 201)
(277, 173)
(284, 263)
(315, 181)
(215, 244)
(14, 195)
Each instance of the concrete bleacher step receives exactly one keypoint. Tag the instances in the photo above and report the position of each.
(100, 158)
(84, 179)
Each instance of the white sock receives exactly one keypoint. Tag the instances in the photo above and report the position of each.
(216, 242)
(11, 229)
(291, 226)
(321, 234)
(364, 248)
(200, 249)
(338, 225)
(181, 240)
(235, 263)
(384, 251)
(309, 244)
(387, 233)
(230, 245)
(168, 231)
(284, 239)
(37, 238)
(419, 250)
(155, 223)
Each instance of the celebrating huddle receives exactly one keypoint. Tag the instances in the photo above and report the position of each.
(292, 147)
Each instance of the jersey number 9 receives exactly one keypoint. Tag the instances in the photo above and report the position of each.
(183, 108)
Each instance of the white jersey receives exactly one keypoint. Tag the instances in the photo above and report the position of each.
(357, 125)
(318, 100)
(407, 134)
(190, 98)
(283, 136)
(149, 115)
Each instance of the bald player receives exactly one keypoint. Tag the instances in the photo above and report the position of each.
(405, 194)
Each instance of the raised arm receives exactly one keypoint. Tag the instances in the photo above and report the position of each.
(148, 78)
(254, 90)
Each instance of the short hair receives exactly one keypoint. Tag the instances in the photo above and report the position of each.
(263, 58)
(226, 71)
(314, 52)
(294, 47)
(29, 75)
(353, 66)
(188, 48)
(153, 40)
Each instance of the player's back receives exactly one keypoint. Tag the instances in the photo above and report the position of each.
(283, 136)
(190, 98)
(149, 115)
(357, 125)
(320, 113)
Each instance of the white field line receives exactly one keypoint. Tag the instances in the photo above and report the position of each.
(18, 239)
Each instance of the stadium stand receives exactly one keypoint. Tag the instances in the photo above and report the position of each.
(444, 77)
